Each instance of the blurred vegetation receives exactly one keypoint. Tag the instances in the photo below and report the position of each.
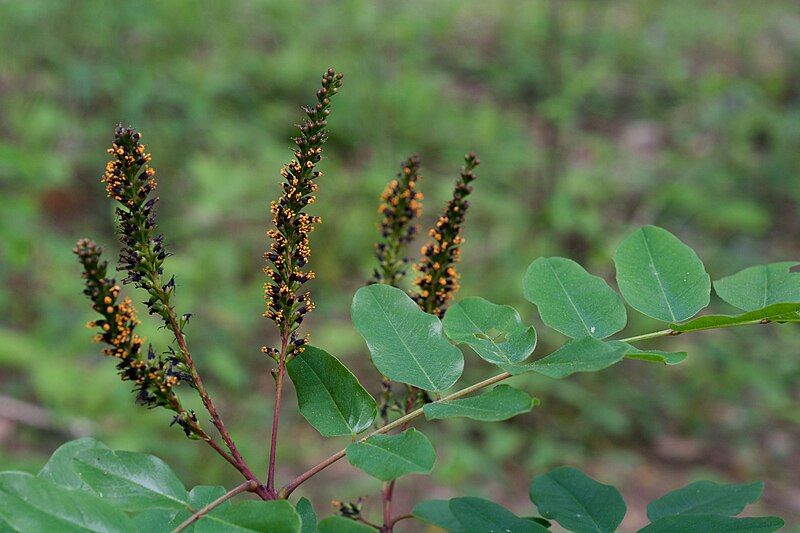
(590, 118)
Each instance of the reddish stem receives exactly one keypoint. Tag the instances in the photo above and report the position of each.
(238, 461)
(276, 413)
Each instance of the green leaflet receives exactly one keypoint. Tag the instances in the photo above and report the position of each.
(307, 516)
(500, 403)
(775, 313)
(660, 276)
(406, 344)
(652, 356)
(573, 301)
(477, 514)
(495, 332)
(131, 481)
(387, 457)
(578, 355)
(276, 516)
(331, 398)
(705, 497)
(30, 503)
(760, 286)
(576, 501)
(60, 469)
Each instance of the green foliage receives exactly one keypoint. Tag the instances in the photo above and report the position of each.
(776, 312)
(307, 516)
(28, 503)
(500, 403)
(573, 301)
(653, 356)
(661, 276)
(438, 513)
(760, 286)
(495, 332)
(576, 501)
(388, 457)
(131, 481)
(476, 514)
(586, 354)
(278, 516)
(705, 498)
(60, 468)
(406, 343)
(331, 398)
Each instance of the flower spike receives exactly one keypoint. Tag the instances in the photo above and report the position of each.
(289, 251)
(401, 205)
(437, 281)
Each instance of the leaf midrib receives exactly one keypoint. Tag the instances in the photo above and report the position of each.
(569, 298)
(403, 342)
(327, 390)
(657, 276)
(133, 479)
(579, 504)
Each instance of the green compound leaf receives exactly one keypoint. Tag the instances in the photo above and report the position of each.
(340, 524)
(576, 501)
(307, 516)
(495, 332)
(30, 503)
(705, 497)
(773, 313)
(651, 356)
(277, 516)
(579, 355)
(571, 300)
(437, 512)
(331, 398)
(661, 276)
(500, 403)
(479, 515)
(387, 457)
(716, 523)
(131, 481)
(760, 286)
(406, 344)
(60, 469)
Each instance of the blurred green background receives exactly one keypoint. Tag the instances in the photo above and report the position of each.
(591, 118)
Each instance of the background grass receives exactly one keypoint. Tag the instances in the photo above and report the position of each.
(591, 118)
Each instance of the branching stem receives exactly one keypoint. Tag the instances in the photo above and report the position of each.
(238, 461)
(247, 486)
(292, 485)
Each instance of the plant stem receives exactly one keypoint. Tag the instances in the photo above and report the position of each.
(239, 463)
(292, 485)
(653, 335)
(386, 496)
(276, 413)
(248, 486)
(288, 488)
(403, 517)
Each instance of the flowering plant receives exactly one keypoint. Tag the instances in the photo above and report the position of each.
(414, 333)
